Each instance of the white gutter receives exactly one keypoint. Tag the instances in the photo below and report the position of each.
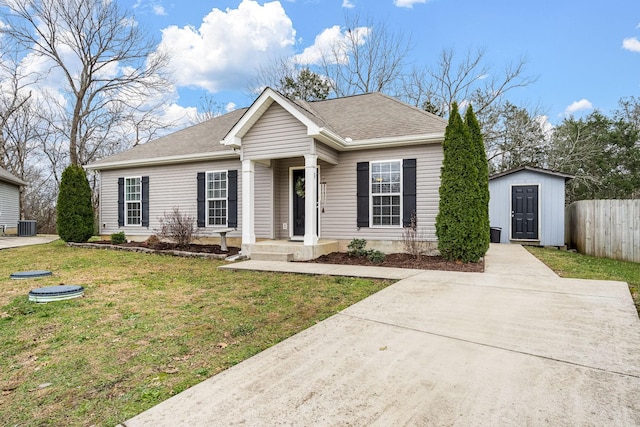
(159, 161)
(345, 144)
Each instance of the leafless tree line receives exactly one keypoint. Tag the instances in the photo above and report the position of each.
(83, 81)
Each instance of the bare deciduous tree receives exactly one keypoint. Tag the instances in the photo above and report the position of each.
(106, 58)
(271, 74)
(207, 109)
(14, 96)
(462, 79)
(369, 58)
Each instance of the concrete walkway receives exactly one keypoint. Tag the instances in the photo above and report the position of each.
(7, 242)
(515, 345)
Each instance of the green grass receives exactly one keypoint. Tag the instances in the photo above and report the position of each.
(148, 327)
(571, 264)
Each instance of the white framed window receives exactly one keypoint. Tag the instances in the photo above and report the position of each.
(386, 193)
(217, 185)
(133, 200)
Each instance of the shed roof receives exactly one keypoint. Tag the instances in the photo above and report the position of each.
(8, 177)
(566, 177)
(368, 117)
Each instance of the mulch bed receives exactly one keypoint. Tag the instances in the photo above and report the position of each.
(400, 260)
(196, 250)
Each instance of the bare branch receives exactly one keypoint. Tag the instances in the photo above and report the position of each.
(106, 57)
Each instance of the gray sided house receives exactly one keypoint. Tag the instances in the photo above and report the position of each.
(300, 178)
(527, 203)
(9, 202)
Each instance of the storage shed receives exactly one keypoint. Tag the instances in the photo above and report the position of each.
(9, 202)
(527, 204)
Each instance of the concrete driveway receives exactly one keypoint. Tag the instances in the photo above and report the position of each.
(7, 242)
(515, 345)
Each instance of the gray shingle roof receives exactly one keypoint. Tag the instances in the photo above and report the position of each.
(7, 177)
(204, 137)
(359, 117)
(566, 177)
(373, 115)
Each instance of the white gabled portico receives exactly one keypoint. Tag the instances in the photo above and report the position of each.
(254, 140)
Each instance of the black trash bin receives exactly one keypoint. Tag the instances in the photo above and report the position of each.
(495, 234)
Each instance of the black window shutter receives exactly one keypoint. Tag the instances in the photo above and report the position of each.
(363, 194)
(120, 202)
(202, 200)
(408, 190)
(232, 199)
(145, 201)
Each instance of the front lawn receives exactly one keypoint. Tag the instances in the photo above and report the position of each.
(572, 264)
(148, 327)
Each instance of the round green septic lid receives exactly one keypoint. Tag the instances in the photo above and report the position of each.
(30, 274)
(56, 293)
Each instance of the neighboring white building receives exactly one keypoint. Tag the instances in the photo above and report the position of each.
(9, 202)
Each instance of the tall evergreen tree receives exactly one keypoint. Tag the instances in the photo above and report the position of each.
(458, 223)
(75, 212)
(480, 156)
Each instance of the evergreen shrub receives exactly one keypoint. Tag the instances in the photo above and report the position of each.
(75, 221)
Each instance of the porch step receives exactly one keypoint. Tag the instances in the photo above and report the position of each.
(272, 256)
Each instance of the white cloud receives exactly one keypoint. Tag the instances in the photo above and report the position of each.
(632, 44)
(156, 8)
(177, 115)
(408, 3)
(331, 40)
(576, 106)
(229, 107)
(348, 4)
(229, 45)
(159, 10)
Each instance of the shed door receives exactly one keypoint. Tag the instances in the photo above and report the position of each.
(524, 212)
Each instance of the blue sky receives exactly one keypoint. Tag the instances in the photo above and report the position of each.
(585, 55)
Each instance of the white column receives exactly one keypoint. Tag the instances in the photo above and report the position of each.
(248, 187)
(310, 199)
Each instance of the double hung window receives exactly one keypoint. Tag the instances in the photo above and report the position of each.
(386, 193)
(217, 198)
(133, 200)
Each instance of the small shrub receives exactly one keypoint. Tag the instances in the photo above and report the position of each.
(152, 241)
(357, 247)
(178, 227)
(413, 241)
(375, 256)
(118, 238)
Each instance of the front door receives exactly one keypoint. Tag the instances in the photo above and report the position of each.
(524, 212)
(297, 189)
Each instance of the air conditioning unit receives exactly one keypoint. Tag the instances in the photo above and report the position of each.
(26, 228)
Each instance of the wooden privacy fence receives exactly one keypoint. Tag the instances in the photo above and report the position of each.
(604, 228)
